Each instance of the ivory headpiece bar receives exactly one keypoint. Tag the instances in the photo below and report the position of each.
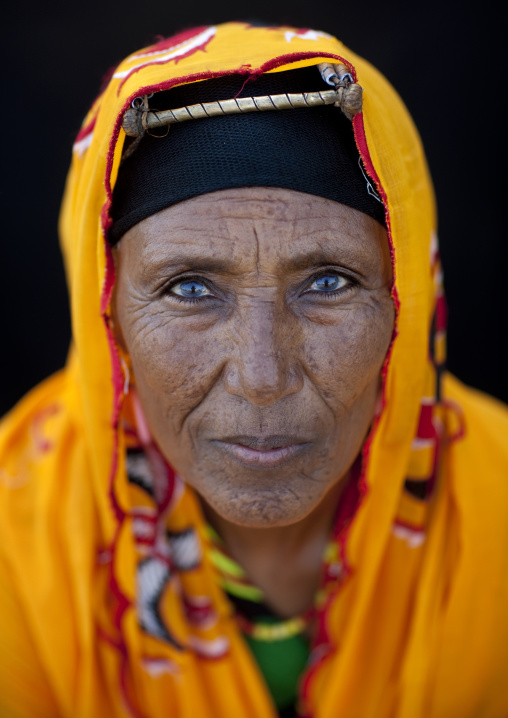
(346, 95)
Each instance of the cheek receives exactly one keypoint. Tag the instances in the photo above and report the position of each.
(174, 368)
(346, 359)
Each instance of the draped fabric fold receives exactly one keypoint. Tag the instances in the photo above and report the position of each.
(109, 603)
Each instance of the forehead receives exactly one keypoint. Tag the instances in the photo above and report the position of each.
(239, 225)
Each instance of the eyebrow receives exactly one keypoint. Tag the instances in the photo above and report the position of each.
(223, 265)
(319, 258)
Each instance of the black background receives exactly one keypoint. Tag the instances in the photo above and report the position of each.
(445, 59)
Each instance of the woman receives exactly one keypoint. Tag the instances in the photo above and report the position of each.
(253, 489)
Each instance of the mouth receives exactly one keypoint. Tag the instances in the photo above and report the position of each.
(263, 452)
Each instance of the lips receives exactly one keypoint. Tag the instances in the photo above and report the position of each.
(263, 452)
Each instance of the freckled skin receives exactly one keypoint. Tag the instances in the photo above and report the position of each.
(263, 352)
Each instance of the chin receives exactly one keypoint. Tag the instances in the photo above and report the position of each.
(261, 508)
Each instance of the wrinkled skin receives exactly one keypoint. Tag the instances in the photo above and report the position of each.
(257, 322)
(260, 354)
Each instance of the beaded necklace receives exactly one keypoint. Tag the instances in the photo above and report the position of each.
(281, 647)
(236, 583)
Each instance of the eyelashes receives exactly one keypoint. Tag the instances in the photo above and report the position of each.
(192, 290)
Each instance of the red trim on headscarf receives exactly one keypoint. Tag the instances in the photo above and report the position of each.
(296, 57)
(441, 313)
(286, 59)
(358, 489)
(426, 429)
(122, 603)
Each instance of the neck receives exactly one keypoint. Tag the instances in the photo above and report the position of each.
(283, 561)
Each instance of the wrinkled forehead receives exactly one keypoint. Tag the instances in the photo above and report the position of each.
(256, 230)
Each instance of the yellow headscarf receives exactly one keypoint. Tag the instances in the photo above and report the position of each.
(415, 623)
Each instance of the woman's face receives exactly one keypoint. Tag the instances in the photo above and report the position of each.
(257, 321)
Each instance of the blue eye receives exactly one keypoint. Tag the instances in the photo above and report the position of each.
(190, 288)
(328, 283)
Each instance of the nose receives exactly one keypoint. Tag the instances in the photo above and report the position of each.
(263, 366)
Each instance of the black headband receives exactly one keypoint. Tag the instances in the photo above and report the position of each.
(310, 150)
